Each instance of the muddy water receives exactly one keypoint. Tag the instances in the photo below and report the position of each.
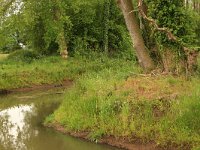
(21, 117)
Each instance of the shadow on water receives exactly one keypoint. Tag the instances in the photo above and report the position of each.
(21, 117)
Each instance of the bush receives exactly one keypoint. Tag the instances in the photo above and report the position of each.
(24, 56)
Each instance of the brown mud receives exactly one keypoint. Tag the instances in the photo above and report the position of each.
(120, 142)
(65, 83)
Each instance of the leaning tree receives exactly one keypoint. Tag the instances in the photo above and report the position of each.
(170, 29)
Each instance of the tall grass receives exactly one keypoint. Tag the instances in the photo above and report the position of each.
(16, 74)
(21, 74)
(43, 71)
(96, 105)
(99, 104)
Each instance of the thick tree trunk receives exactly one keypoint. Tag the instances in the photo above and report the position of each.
(143, 56)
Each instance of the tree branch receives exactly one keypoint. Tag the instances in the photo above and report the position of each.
(153, 22)
(191, 56)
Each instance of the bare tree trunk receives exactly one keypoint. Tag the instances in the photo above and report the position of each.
(143, 56)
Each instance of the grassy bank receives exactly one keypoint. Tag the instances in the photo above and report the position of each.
(111, 98)
(19, 74)
(116, 101)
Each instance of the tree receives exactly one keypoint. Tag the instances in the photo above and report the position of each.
(59, 19)
(106, 25)
(132, 24)
(173, 30)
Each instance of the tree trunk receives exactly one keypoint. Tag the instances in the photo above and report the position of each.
(106, 25)
(143, 56)
(62, 45)
(61, 34)
(150, 41)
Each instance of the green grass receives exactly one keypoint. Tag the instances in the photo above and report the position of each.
(3, 56)
(94, 106)
(100, 103)
(109, 98)
(20, 74)
(44, 71)
(48, 70)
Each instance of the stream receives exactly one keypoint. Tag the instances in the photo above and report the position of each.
(21, 117)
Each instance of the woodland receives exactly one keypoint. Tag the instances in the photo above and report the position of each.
(134, 64)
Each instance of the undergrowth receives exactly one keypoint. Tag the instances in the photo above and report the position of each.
(101, 103)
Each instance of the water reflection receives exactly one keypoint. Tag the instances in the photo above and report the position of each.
(14, 126)
(21, 125)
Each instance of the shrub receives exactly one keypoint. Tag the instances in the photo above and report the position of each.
(24, 56)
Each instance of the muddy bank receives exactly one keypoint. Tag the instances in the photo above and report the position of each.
(65, 83)
(121, 142)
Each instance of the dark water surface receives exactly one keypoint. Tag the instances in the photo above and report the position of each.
(21, 117)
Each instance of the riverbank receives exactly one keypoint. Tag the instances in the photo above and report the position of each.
(153, 111)
(112, 102)
(42, 73)
(63, 84)
(119, 142)
(118, 101)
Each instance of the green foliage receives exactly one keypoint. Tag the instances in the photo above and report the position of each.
(26, 56)
(173, 15)
(106, 18)
(183, 119)
(40, 25)
(3, 57)
(11, 33)
(196, 16)
(16, 74)
(189, 113)
(96, 105)
(91, 29)
(87, 98)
